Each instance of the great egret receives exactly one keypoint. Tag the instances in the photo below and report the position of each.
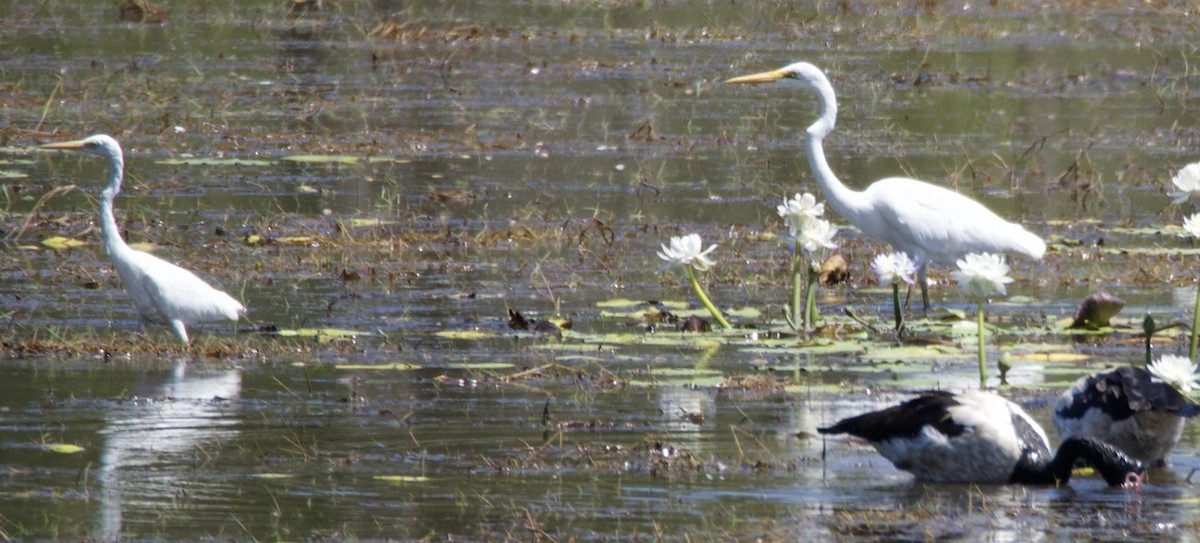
(928, 222)
(979, 437)
(163, 292)
(1127, 408)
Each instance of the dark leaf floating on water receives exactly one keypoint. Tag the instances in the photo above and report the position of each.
(548, 328)
(694, 324)
(517, 321)
(661, 317)
(1096, 310)
(141, 11)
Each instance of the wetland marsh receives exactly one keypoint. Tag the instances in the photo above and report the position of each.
(380, 183)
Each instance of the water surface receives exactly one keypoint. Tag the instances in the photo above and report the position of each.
(412, 171)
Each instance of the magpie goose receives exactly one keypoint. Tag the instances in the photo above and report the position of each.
(979, 437)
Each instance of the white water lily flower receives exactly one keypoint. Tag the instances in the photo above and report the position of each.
(1177, 371)
(982, 274)
(799, 211)
(892, 268)
(1188, 183)
(686, 251)
(817, 234)
(1192, 225)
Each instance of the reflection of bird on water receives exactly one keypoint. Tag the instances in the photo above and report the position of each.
(1127, 408)
(163, 292)
(153, 441)
(979, 437)
(928, 222)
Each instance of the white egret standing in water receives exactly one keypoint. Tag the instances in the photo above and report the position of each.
(928, 222)
(163, 292)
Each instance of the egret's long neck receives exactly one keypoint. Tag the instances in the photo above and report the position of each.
(113, 244)
(843, 200)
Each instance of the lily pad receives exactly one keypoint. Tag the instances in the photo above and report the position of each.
(397, 366)
(323, 159)
(209, 161)
(295, 240)
(402, 478)
(620, 303)
(63, 448)
(360, 222)
(465, 334)
(59, 243)
(321, 332)
(12, 174)
(272, 475)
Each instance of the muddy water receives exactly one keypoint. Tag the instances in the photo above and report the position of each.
(411, 171)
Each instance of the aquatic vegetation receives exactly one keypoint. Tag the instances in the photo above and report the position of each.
(1187, 180)
(464, 161)
(687, 252)
(981, 275)
(1177, 371)
(893, 269)
(1192, 226)
(808, 236)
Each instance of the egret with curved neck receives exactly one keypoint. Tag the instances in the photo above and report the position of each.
(928, 222)
(163, 292)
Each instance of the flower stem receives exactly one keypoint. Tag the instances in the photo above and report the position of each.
(712, 309)
(810, 299)
(896, 305)
(982, 352)
(795, 314)
(1195, 325)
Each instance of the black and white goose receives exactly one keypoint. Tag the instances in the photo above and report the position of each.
(1129, 408)
(979, 437)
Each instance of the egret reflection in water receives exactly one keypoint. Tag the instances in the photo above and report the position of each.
(155, 440)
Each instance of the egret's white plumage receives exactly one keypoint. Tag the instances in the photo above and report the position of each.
(978, 437)
(163, 292)
(928, 222)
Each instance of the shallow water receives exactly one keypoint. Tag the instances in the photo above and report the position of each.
(412, 171)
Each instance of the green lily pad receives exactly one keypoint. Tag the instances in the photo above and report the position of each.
(912, 353)
(272, 475)
(482, 365)
(59, 243)
(402, 478)
(1145, 230)
(359, 222)
(465, 334)
(210, 161)
(12, 174)
(295, 240)
(397, 366)
(63, 448)
(321, 332)
(322, 159)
